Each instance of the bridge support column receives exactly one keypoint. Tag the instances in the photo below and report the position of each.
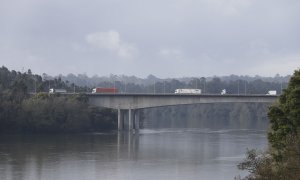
(137, 119)
(133, 119)
(120, 119)
(130, 119)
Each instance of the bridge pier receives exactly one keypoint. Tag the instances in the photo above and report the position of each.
(130, 119)
(120, 119)
(133, 119)
(137, 119)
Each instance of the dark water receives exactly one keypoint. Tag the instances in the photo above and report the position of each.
(172, 154)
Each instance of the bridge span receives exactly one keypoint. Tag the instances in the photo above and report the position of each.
(128, 104)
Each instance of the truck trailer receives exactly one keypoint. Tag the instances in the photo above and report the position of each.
(105, 90)
(188, 91)
(52, 91)
(272, 92)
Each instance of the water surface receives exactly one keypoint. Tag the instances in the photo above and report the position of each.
(177, 154)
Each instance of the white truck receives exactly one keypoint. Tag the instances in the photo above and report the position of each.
(188, 91)
(272, 92)
(52, 91)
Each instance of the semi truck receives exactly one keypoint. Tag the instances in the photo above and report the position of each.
(52, 91)
(188, 91)
(104, 90)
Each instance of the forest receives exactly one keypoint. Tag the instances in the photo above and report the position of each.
(22, 111)
(27, 107)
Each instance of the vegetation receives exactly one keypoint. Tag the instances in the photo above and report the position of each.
(22, 112)
(282, 160)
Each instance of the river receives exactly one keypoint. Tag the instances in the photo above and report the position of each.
(174, 154)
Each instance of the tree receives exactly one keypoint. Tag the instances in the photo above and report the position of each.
(285, 116)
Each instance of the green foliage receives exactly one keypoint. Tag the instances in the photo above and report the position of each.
(104, 119)
(55, 114)
(285, 116)
(46, 113)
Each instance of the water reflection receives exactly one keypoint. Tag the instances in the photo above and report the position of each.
(149, 154)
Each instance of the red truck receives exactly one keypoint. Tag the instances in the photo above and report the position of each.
(104, 90)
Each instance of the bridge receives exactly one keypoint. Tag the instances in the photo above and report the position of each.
(129, 104)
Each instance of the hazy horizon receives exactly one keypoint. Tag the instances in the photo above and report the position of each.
(144, 77)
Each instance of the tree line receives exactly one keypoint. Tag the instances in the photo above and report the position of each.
(22, 111)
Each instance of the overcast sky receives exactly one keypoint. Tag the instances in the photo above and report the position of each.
(166, 38)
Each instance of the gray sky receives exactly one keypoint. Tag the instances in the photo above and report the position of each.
(167, 38)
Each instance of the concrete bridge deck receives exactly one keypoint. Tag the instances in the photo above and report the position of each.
(139, 101)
